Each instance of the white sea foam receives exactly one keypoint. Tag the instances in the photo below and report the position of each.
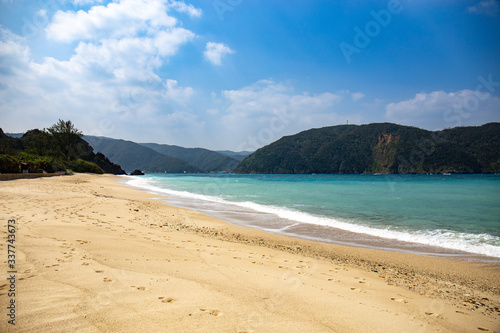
(472, 243)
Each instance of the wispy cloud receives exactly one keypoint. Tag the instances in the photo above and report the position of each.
(215, 51)
(356, 96)
(440, 109)
(485, 7)
(85, 2)
(266, 110)
(265, 97)
(181, 7)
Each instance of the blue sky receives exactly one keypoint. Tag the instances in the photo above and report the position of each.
(239, 74)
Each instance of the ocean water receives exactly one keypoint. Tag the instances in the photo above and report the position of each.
(443, 215)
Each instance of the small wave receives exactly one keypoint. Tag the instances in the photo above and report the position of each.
(474, 243)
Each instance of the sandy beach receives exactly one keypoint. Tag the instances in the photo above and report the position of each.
(93, 255)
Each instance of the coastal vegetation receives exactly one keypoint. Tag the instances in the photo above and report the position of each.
(58, 148)
(380, 148)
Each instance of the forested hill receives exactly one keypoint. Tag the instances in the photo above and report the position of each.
(380, 148)
(203, 159)
(131, 156)
(153, 157)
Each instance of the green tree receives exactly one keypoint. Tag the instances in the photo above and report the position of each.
(66, 136)
(37, 142)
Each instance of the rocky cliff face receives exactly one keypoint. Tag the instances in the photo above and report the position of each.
(384, 153)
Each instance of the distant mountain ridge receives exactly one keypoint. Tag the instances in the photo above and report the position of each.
(203, 159)
(152, 157)
(239, 156)
(380, 148)
(15, 135)
(131, 156)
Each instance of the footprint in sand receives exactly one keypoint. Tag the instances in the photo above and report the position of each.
(400, 300)
(215, 313)
(99, 271)
(461, 312)
(359, 290)
(166, 300)
(107, 280)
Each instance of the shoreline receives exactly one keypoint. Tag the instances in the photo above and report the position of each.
(271, 223)
(85, 236)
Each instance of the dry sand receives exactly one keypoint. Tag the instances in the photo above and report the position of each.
(93, 255)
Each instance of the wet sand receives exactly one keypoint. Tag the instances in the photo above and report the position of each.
(93, 255)
(273, 224)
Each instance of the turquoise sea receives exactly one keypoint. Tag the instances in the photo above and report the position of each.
(443, 215)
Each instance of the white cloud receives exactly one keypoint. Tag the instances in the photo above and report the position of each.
(125, 40)
(315, 103)
(260, 113)
(213, 111)
(116, 20)
(261, 96)
(111, 81)
(356, 96)
(215, 51)
(121, 40)
(168, 42)
(109, 85)
(181, 7)
(267, 96)
(13, 53)
(439, 109)
(178, 94)
(486, 7)
(85, 2)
